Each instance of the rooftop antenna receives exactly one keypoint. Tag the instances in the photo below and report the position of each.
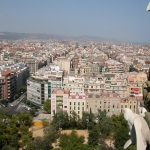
(148, 7)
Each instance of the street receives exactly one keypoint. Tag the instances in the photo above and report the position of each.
(17, 105)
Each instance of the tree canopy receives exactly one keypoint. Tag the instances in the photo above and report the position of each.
(47, 106)
(14, 130)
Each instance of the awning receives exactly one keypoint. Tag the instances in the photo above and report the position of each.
(131, 79)
(136, 92)
(135, 89)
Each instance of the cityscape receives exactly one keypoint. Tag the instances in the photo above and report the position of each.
(72, 92)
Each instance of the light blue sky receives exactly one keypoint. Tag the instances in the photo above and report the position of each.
(124, 20)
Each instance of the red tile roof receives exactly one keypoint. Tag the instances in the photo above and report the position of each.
(4, 73)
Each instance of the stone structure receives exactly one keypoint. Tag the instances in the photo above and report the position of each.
(139, 130)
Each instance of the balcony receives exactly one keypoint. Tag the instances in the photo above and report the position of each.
(59, 104)
(59, 101)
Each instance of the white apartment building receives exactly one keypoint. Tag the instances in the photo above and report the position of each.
(35, 91)
(74, 83)
(40, 85)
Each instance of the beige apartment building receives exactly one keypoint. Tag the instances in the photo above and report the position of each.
(134, 84)
(87, 69)
(110, 103)
(77, 103)
(131, 103)
(63, 63)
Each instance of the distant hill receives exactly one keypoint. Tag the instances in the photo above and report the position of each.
(17, 36)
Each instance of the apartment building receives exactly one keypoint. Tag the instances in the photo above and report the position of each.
(134, 84)
(116, 83)
(38, 90)
(40, 85)
(87, 69)
(10, 87)
(32, 64)
(131, 103)
(77, 103)
(59, 101)
(75, 84)
(2, 87)
(94, 85)
(63, 63)
(62, 100)
(74, 62)
(22, 76)
(108, 102)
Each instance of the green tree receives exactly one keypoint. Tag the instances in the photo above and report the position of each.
(14, 141)
(7, 147)
(45, 122)
(32, 113)
(25, 119)
(121, 132)
(25, 139)
(51, 133)
(30, 146)
(39, 143)
(72, 141)
(47, 106)
(73, 120)
(45, 142)
(93, 138)
(24, 88)
(61, 120)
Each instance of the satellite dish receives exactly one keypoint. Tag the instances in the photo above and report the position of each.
(148, 7)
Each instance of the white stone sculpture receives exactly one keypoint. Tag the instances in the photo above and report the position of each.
(141, 109)
(139, 130)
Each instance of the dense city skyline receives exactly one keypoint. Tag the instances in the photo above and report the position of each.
(125, 21)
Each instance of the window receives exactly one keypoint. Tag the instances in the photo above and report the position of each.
(78, 103)
(65, 107)
(82, 103)
(70, 103)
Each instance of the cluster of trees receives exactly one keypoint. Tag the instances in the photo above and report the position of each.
(14, 130)
(100, 128)
(45, 142)
(73, 142)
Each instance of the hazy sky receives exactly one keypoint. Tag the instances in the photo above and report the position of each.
(125, 20)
